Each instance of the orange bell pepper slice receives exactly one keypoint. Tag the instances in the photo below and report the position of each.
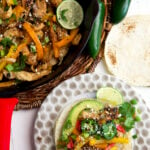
(34, 37)
(67, 39)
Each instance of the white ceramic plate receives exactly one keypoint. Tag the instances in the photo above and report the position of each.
(79, 87)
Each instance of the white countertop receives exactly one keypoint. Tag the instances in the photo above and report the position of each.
(23, 120)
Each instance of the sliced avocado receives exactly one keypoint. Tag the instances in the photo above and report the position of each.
(72, 117)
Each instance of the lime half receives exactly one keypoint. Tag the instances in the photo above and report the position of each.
(69, 14)
(109, 95)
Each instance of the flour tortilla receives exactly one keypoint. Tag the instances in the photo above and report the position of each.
(61, 119)
(127, 50)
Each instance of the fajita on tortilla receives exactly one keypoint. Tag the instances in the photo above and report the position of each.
(90, 124)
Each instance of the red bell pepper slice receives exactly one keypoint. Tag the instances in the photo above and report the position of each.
(78, 125)
(120, 128)
(70, 145)
(110, 146)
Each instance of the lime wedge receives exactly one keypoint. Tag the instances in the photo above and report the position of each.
(69, 14)
(109, 95)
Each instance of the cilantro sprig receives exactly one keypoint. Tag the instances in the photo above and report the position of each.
(128, 114)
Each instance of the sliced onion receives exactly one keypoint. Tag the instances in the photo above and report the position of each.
(12, 60)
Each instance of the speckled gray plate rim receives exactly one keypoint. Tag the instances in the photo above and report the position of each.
(83, 86)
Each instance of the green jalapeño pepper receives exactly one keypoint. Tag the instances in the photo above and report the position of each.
(95, 37)
(89, 126)
(119, 10)
(109, 130)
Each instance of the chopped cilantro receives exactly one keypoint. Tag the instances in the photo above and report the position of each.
(33, 48)
(34, 19)
(21, 64)
(17, 66)
(46, 40)
(2, 53)
(9, 67)
(122, 119)
(48, 23)
(126, 109)
(133, 101)
(123, 109)
(6, 8)
(21, 19)
(134, 136)
(137, 119)
(129, 123)
(73, 136)
(63, 15)
(54, 27)
(15, 2)
(6, 42)
(13, 16)
(85, 134)
(39, 37)
(68, 124)
(76, 23)
(98, 136)
(59, 146)
(7, 20)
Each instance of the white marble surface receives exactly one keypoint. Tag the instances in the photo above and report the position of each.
(23, 120)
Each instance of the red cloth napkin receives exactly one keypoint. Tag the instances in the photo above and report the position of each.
(6, 108)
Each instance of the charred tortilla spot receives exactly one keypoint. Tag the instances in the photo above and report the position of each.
(128, 27)
(131, 27)
(112, 57)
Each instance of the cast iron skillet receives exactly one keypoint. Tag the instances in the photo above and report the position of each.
(91, 9)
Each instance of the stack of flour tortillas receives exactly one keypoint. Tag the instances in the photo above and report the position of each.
(127, 50)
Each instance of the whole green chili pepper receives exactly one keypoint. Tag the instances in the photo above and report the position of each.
(119, 10)
(94, 40)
